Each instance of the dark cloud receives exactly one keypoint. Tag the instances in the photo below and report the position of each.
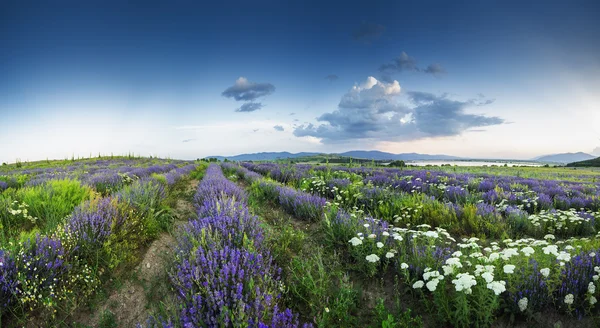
(370, 111)
(332, 77)
(244, 90)
(435, 69)
(250, 107)
(406, 63)
(255, 130)
(296, 120)
(440, 116)
(368, 32)
(292, 114)
(187, 140)
(278, 127)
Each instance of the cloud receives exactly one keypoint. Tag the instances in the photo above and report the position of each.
(278, 128)
(250, 107)
(255, 130)
(370, 111)
(244, 90)
(187, 140)
(435, 69)
(406, 63)
(596, 151)
(292, 114)
(332, 77)
(368, 32)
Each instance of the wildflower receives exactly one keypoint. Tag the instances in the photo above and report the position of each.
(418, 284)
(464, 282)
(379, 244)
(327, 309)
(545, 272)
(432, 285)
(404, 266)
(355, 241)
(563, 256)
(549, 236)
(593, 300)
(389, 255)
(366, 225)
(528, 251)
(592, 254)
(497, 286)
(372, 258)
(550, 249)
(569, 299)
(591, 288)
(371, 236)
(509, 268)
(523, 304)
(488, 277)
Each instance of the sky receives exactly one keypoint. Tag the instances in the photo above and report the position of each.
(183, 79)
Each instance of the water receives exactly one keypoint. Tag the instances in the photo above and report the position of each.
(473, 163)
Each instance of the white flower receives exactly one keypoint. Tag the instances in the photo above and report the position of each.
(528, 251)
(545, 272)
(464, 282)
(497, 286)
(385, 233)
(595, 277)
(457, 254)
(569, 299)
(549, 236)
(327, 309)
(366, 225)
(371, 236)
(550, 249)
(389, 255)
(509, 268)
(403, 266)
(432, 285)
(563, 256)
(488, 276)
(372, 258)
(379, 244)
(591, 288)
(355, 241)
(418, 284)
(592, 254)
(523, 304)
(454, 262)
(593, 300)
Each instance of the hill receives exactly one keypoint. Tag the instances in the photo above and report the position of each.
(589, 163)
(361, 154)
(564, 158)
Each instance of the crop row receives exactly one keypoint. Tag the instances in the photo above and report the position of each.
(465, 281)
(46, 276)
(223, 274)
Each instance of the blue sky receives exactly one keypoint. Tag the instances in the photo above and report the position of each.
(478, 79)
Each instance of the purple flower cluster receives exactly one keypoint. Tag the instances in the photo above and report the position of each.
(3, 185)
(175, 175)
(223, 275)
(215, 185)
(8, 280)
(302, 205)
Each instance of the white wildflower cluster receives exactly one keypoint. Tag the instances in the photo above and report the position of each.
(558, 221)
(20, 211)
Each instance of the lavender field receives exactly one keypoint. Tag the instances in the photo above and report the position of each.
(282, 245)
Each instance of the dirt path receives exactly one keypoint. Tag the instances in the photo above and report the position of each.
(131, 303)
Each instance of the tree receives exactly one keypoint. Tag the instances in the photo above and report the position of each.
(397, 164)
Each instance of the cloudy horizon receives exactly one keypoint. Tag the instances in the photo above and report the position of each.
(470, 80)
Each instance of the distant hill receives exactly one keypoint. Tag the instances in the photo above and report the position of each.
(564, 158)
(379, 155)
(363, 154)
(589, 163)
(268, 156)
